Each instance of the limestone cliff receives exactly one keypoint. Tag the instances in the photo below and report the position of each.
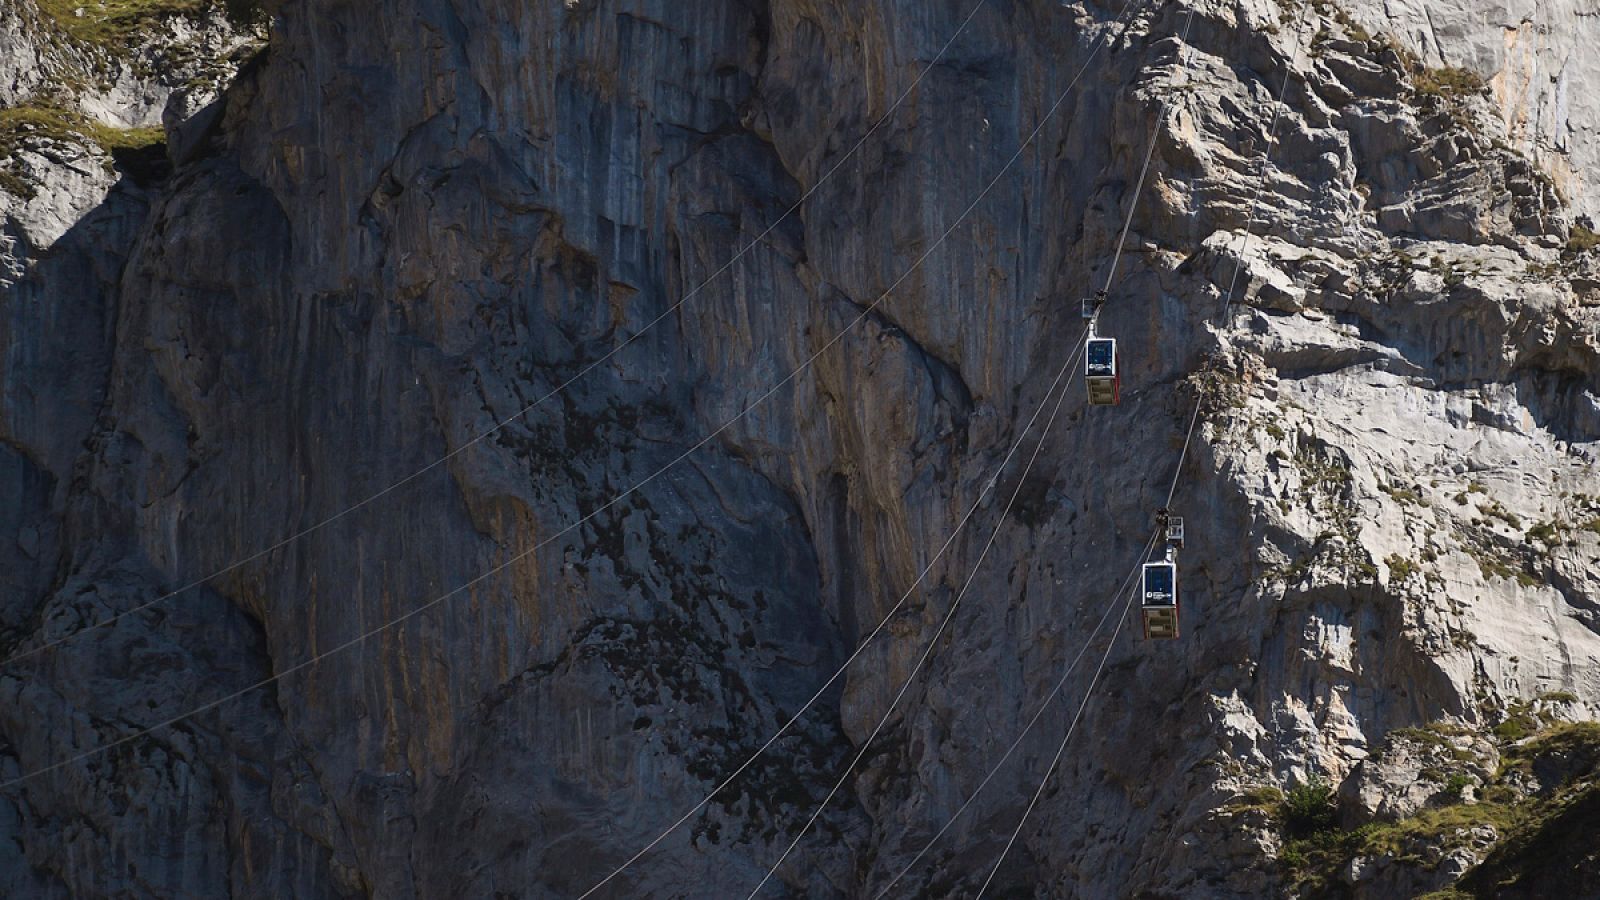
(370, 235)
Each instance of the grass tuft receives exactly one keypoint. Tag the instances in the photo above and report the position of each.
(1448, 82)
(1540, 842)
(1582, 239)
(38, 124)
(115, 24)
(108, 23)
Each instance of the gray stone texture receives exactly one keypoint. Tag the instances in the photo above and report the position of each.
(405, 221)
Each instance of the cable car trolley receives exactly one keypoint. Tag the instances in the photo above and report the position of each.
(1160, 583)
(1101, 372)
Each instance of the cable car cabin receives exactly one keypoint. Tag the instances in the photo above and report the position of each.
(1160, 600)
(1101, 372)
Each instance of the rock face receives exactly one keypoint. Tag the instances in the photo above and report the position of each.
(1534, 56)
(402, 225)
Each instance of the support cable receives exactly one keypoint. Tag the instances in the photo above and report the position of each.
(1127, 585)
(361, 638)
(860, 648)
(1061, 749)
(558, 389)
(955, 605)
(1144, 168)
(1244, 240)
(1227, 303)
(1111, 271)
(933, 642)
(587, 517)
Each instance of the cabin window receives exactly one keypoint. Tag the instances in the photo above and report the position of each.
(1102, 357)
(1158, 584)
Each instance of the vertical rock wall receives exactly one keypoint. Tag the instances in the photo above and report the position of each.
(408, 222)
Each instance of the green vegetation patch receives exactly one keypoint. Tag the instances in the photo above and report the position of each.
(1512, 729)
(1498, 562)
(16, 185)
(1431, 828)
(1404, 495)
(1520, 720)
(1547, 533)
(1264, 796)
(1217, 387)
(53, 123)
(1423, 840)
(1577, 742)
(1437, 737)
(1542, 842)
(1447, 82)
(108, 23)
(45, 122)
(1553, 843)
(39, 124)
(1582, 239)
(1437, 734)
(1400, 568)
(1309, 809)
(1550, 853)
(113, 24)
(1352, 28)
